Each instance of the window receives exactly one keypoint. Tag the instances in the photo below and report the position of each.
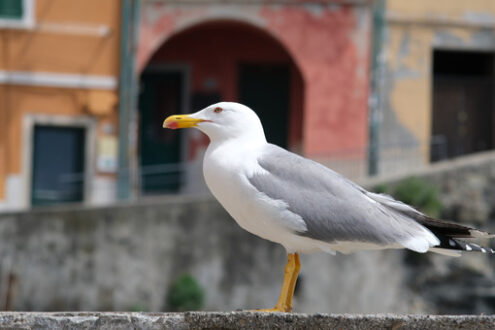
(16, 13)
(58, 165)
(11, 9)
(58, 157)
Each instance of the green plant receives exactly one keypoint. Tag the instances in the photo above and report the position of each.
(185, 294)
(138, 308)
(420, 194)
(381, 188)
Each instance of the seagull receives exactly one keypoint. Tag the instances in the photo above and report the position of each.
(303, 205)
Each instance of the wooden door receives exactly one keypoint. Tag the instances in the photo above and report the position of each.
(462, 120)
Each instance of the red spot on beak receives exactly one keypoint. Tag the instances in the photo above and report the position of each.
(181, 121)
(173, 125)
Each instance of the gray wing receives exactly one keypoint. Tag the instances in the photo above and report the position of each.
(334, 208)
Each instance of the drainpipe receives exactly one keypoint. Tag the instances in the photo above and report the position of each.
(377, 76)
(127, 170)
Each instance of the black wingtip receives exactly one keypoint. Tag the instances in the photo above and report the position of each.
(456, 244)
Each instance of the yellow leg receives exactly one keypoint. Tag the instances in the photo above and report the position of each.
(295, 274)
(291, 270)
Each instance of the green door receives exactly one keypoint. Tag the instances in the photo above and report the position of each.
(160, 149)
(58, 165)
(265, 89)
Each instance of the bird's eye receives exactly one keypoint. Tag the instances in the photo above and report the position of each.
(217, 110)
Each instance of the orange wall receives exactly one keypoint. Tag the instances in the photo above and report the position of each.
(3, 155)
(57, 51)
(57, 44)
(23, 100)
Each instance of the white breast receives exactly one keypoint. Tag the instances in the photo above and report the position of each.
(226, 177)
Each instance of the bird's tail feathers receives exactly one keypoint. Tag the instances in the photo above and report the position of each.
(454, 244)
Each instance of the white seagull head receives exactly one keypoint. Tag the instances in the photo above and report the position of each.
(221, 122)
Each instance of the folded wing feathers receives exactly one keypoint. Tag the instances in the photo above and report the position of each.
(447, 232)
(306, 186)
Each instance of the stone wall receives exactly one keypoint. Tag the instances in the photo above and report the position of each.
(456, 285)
(124, 257)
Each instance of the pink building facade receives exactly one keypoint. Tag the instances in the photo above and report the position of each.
(318, 50)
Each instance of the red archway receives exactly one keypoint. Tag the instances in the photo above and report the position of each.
(212, 52)
(220, 61)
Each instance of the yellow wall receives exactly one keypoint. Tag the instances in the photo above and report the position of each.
(448, 8)
(411, 29)
(411, 94)
(65, 39)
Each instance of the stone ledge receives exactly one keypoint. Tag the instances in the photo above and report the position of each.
(237, 320)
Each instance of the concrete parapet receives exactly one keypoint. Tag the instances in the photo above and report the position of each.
(239, 320)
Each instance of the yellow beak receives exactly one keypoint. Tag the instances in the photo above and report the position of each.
(181, 121)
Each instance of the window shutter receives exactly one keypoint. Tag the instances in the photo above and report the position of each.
(11, 9)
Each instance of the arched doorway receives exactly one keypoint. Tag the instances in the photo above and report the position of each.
(208, 63)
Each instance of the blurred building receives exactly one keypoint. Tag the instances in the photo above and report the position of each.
(65, 124)
(59, 66)
(302, 66)
(363, 86)
(437, 82)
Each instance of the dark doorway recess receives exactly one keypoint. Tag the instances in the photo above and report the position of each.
(161, 95)
(463, 103)
(58, 165)
(202, 100)
(265, 89)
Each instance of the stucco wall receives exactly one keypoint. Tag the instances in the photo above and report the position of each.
(62, 35)
(414, 30)
(329, 42)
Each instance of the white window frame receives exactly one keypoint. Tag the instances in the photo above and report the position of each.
(88, 123)
(27, 20)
